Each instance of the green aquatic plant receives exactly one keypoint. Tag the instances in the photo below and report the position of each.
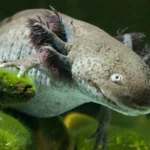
(14, 135)
(128, 140)
(121, 138)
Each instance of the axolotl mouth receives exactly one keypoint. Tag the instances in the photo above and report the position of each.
(130, 110)
(101, 96)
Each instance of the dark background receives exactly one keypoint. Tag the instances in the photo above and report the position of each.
(109, 15)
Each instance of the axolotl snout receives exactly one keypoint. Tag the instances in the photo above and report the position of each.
(84, 62)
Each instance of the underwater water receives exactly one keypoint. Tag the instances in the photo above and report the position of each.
(126, 133)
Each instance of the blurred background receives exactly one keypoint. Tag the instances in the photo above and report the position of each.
(130, 132)
(107, 14)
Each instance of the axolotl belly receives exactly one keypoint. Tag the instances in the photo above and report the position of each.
(73, 62)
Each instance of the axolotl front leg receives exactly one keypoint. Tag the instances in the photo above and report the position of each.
(24, 65)
(43, 59)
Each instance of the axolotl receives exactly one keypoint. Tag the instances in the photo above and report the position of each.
(73, 62)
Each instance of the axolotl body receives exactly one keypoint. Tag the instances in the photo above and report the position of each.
(73, 62)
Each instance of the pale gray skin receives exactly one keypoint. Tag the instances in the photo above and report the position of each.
(94, 57)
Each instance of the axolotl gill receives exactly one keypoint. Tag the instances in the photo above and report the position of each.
(73, 62)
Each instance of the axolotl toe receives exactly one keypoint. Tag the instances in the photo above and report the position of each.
(73, 62)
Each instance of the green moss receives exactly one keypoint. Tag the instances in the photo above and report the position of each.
(13, 135)
(14, 90)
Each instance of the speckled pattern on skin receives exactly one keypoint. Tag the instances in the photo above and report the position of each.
(94, 56)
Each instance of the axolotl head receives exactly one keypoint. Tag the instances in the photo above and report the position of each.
(114, 75)
(102, 67)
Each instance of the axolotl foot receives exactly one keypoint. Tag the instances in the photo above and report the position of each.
(24, 64)
(101, 134)
(46, 60)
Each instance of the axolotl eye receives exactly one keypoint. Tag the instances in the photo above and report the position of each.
(116, 77)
